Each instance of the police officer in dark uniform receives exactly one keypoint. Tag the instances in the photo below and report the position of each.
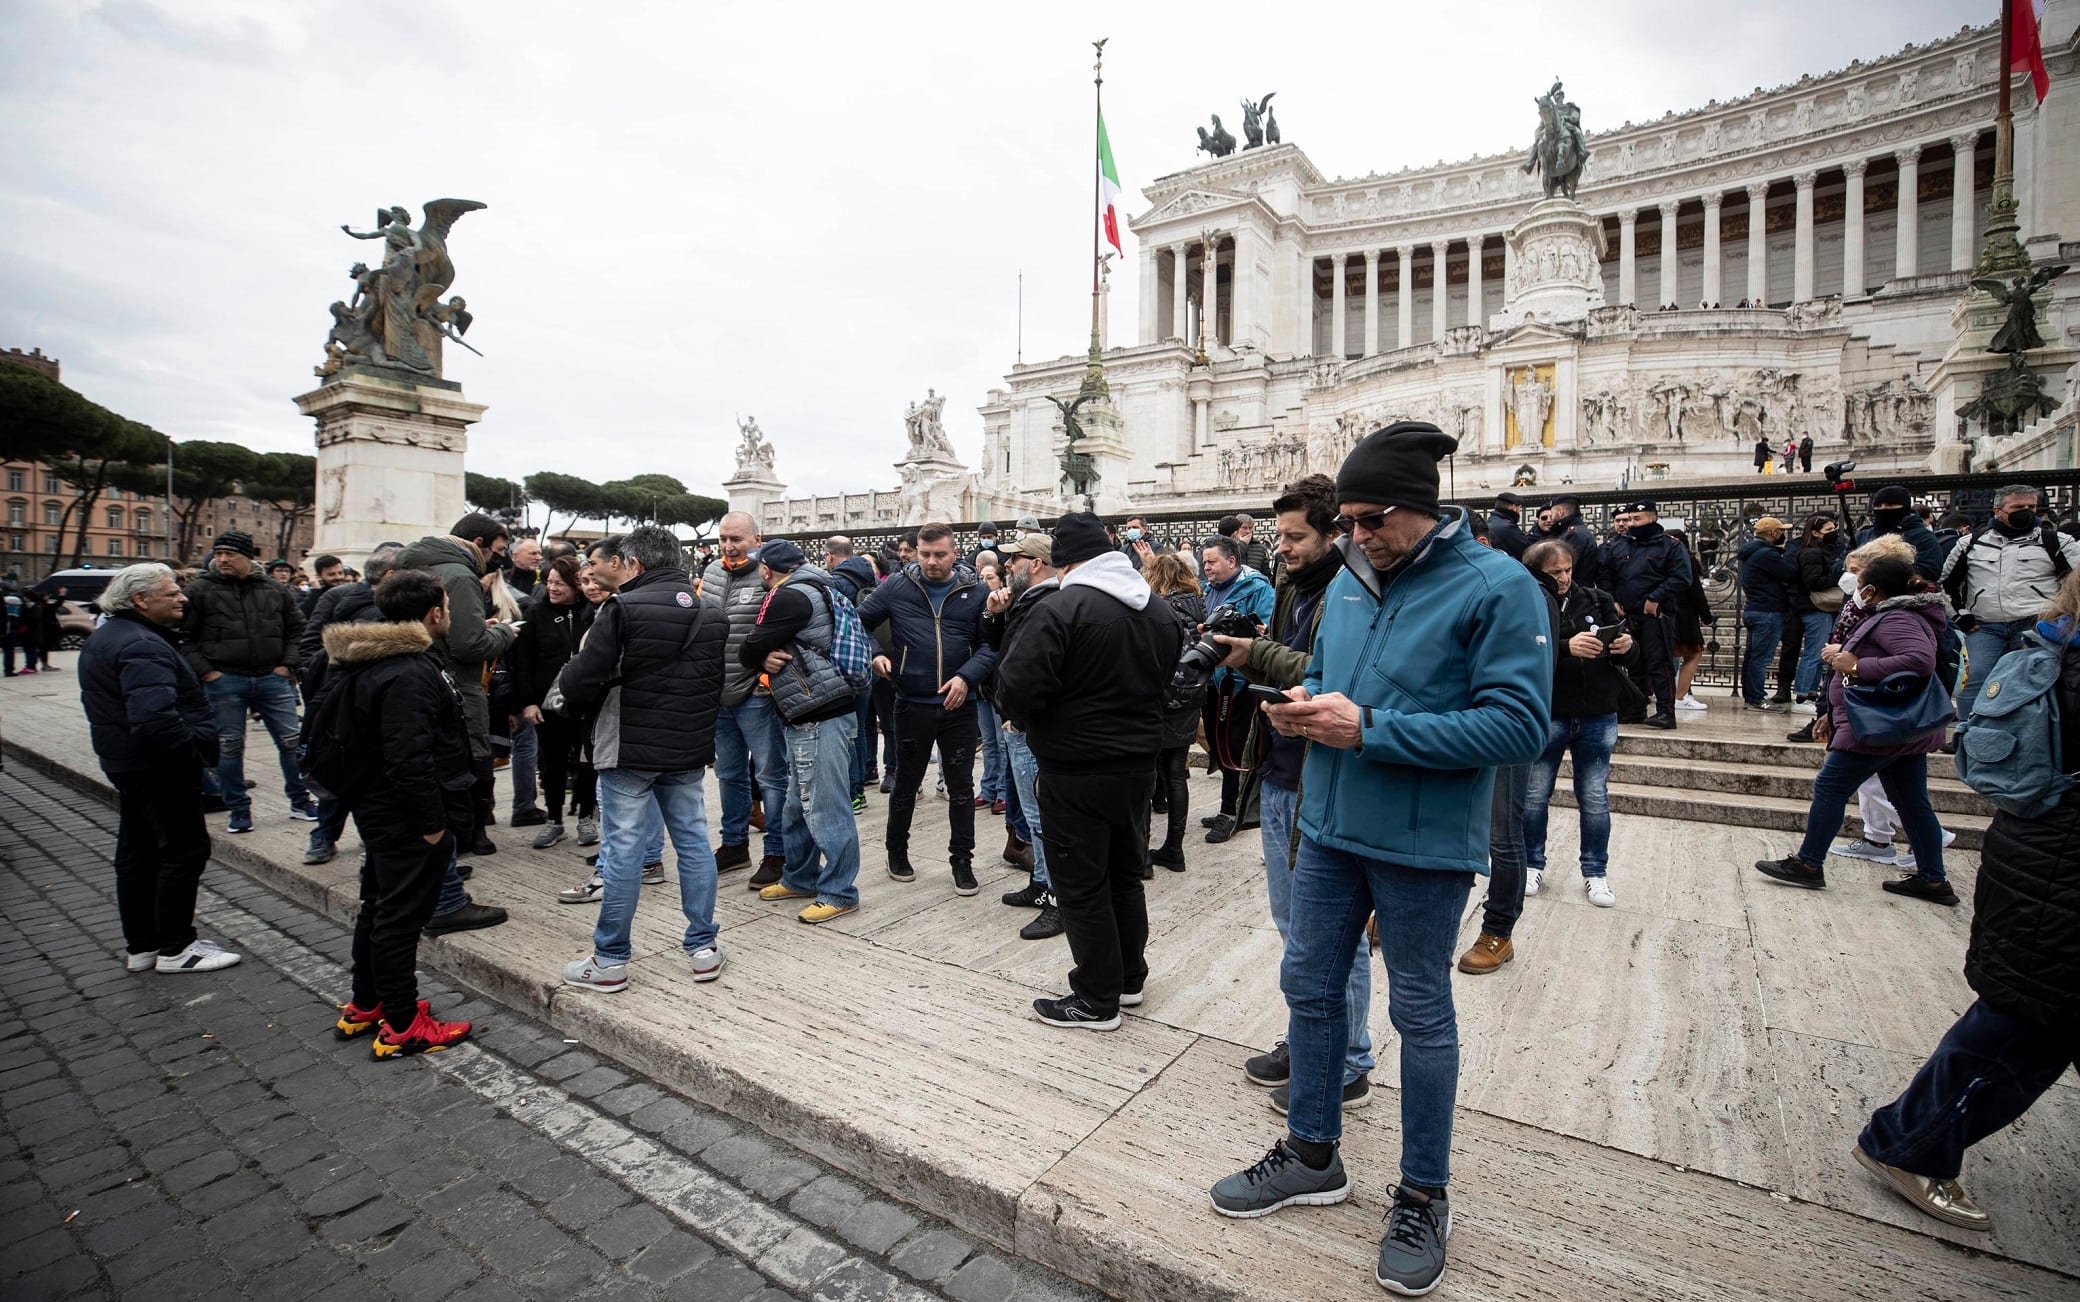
(1647, 572)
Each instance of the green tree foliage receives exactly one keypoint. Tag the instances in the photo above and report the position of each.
(202, 472)
(580, 498)
(494, 496)
(287, 483)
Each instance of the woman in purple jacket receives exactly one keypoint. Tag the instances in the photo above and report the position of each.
(1901, 635)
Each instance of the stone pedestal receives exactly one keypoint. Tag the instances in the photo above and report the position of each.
(1556, 266)
(934, 487)
(1961, 376)
(1104, 441)
(751, 488)
(390, 452)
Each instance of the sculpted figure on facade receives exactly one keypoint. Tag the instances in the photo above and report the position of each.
(1672, 396)
(1559, 150)
(1253, 120)
(396, 317)
(753, 452)
(1531, 398)
(1219, 142)
(927, 436)
(2019, 333)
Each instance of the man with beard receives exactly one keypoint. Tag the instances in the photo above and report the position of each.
(1306, 542)
(1647, 572)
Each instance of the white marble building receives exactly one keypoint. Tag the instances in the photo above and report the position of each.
(1283, 314)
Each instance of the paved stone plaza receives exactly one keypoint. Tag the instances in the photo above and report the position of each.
(1657, 1100)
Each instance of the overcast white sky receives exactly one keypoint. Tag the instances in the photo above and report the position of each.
(809, 212)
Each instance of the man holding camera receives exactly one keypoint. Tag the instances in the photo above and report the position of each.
(1306, 543)
(1431, 668)
(1083, 678)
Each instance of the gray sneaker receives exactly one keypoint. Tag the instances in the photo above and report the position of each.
(1269, 1069)
(653, 874)
(1280, 1180)
(594, 973)
(1411, 1256)
(588, 831)
(708, 962)
(548, 836)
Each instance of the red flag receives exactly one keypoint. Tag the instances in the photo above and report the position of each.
(2024, 50)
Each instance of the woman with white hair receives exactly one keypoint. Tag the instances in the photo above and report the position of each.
(153, 732)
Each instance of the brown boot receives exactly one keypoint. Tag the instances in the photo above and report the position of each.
(758, 814)
(1486, 954)
(1017, 853)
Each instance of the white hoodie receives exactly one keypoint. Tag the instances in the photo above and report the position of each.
(1112, 574)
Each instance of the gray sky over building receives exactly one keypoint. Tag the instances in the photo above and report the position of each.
(809, 212)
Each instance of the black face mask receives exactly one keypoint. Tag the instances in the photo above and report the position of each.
(1645, 532)
(2023, 521)
(1888, 518)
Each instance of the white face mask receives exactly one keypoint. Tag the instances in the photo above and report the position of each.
(1850, 587)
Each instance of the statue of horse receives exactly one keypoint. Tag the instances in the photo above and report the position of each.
(1559, 150)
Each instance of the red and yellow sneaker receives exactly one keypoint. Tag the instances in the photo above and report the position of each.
(424, 1035)
(355, 1022)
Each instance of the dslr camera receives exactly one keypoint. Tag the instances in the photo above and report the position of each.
(1203, 655)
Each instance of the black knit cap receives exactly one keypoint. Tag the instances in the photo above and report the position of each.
(1891, 495)
(1396, 466)
(1078, 537)
(235, 540)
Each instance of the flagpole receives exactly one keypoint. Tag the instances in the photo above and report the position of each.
(2002, 251)
(1097, 184)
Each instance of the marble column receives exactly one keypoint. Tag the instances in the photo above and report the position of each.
(1711, 247)
(1371, 301)
(1405, 310)
(1180, 278)
(1906, 241)
(1802, 243)
(1852, 229)
(1339, 320)
(1210, 294)
(1440, 321)
(1963, 180)
(1473, 278)
(1150, 308)
(1669, 292)
(1758, 244)
(1242, 300)
(1628, 220)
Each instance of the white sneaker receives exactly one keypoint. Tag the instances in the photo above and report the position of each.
(1600, 892)
(1690, 702)
(144, 962)
(199, 956)
(653, 874)
(1858, 848)
(1804, 707)
(1533, 879)
(586, 892)
(1905, 858)
(594, 973)
(708, 962)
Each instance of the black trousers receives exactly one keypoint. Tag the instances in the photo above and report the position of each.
(1653, 670)
(162, 845)
(1095, 826)
(1172, 779)
(919, 727)
(559, 755)
(400, 883)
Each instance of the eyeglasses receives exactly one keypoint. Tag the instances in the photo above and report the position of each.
(1373, 521)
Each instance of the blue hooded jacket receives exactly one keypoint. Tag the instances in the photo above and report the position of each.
(1451, 658)
(1252, 594)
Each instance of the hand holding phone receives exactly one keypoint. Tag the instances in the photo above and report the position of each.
(1267, 695)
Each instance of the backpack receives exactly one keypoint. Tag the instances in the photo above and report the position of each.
(1952, 662)
(2008, 750)
(2047, 537)
(325, 747)
(852, 651)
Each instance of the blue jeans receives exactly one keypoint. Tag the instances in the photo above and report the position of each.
(1905, 779)
(1276, 806)
(628, 799)
(1591, 742)
(1418, 911)
(1985, 1074)
(992, 787)
(1983, 647)
(1818, 624)
(1765, 631)
(862, 742)
(453, 894)
(1507, 813)
(817, 820)
(1025, 775)
(650, 836)
(230, 696)
(526, 749)
(747, 736)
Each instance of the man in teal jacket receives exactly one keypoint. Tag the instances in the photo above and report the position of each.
(1432, 667)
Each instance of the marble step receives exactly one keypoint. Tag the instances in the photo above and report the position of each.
(1948, 795)
(1651, 744)
(1770, 813)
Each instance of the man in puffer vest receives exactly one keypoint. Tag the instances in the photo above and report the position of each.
(791, 646)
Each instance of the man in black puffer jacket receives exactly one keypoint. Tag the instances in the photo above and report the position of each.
(650, 675)
(2022, 1033)
(153, 733)
(1084, 679)
(345, 604)
(242, 635)
(1646, 571)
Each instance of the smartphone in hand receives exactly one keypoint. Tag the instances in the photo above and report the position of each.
(1267, 695)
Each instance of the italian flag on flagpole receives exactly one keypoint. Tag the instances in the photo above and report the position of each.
(1108, 188)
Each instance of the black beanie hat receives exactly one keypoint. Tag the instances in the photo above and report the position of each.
(1396, 466)
(1078, 537)
(1891, 495)
(235, 540)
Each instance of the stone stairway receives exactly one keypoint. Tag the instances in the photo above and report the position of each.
(1734, 769)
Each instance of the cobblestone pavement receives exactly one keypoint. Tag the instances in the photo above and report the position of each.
(205, 1136)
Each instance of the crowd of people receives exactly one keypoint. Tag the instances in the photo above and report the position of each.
(1388, 688)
